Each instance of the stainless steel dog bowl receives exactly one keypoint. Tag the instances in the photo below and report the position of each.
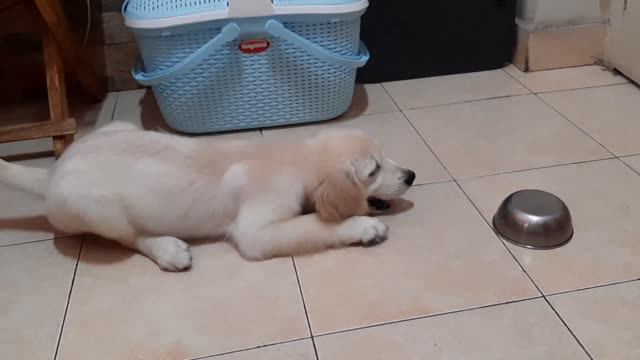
(534, 219)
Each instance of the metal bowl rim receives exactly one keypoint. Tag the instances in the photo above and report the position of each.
(532, 247)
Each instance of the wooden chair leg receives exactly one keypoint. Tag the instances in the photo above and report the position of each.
(56, 22)
(38, 130)
(56, 88)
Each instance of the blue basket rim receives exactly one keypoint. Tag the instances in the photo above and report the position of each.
(162, 18)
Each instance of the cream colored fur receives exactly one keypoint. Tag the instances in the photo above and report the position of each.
(149, 191)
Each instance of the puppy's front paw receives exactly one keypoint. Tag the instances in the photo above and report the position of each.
(370, 231)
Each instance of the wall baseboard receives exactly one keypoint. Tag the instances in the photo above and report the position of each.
(558, 47)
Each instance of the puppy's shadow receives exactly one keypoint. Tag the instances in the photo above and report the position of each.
(397, 206)
(99, 251)
(34, 223)
(95, 249)
(68, 246)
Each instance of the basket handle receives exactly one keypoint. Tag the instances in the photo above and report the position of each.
(276, 29)
(228, 33)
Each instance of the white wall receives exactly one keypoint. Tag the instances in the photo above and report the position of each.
(545, 13)
(623, 48)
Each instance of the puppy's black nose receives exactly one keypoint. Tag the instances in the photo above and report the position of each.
(409, 178)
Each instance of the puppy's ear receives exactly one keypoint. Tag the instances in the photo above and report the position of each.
(339, 197)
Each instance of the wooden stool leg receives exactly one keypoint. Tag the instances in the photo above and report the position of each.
(56, 87)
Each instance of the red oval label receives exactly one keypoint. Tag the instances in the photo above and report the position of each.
(254, 46)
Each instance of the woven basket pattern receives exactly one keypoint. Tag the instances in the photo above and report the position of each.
(232, 90)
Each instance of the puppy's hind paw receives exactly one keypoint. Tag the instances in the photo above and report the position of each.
(171, 254)
(175, 259)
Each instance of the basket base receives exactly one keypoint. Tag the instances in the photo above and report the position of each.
(229, 129)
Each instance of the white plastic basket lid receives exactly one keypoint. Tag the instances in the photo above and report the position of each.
(154, 14)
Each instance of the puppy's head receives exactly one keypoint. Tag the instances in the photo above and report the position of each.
(353, 173)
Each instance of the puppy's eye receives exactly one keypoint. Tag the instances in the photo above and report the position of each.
(375, 171)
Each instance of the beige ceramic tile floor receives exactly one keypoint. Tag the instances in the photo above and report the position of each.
(442, 287)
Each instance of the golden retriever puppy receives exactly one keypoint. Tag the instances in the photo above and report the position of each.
(149, 191)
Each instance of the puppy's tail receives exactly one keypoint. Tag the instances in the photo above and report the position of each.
(33, 180)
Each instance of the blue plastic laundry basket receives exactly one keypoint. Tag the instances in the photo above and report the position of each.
(218, 65)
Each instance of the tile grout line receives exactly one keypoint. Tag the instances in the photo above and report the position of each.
(432, 183)
(474, 177)
(498, 238)
(423, 317)
(530, 92)
(502, 242)
(248, 349)
(66, 309)
(337, 332)
(537, 95)
(304, 306)
(298, 280)
(454, 180)
(468, 198)
(420, 136)
(516, 80)
(386, 323)
(561, 90)
(37, 241)
(115, 105)
(480, 214)
(629, 166)
(568, 328)
(575, 337)
(614, 156)
(462, 102)
(578, 88)
(542, 296)
(470, 309)
(350, 117)
(594, 287)
(535, 168)
(514, 171)
(576, 126)
(446, 313)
